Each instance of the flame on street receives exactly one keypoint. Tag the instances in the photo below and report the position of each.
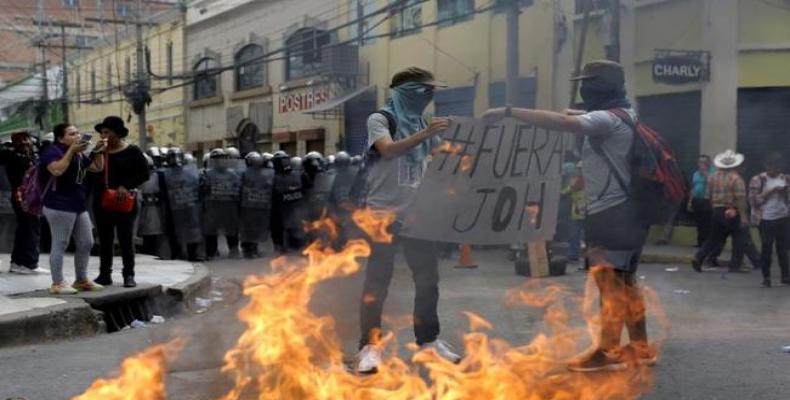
(140, 378)
(287, 352)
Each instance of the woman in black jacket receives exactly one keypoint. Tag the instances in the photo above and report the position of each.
(128, 169)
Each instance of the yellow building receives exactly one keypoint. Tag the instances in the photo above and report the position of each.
(740, 96)
(97, 80)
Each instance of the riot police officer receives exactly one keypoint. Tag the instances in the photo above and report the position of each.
(182, 195)
(151, 220)
(288, 210)
(256, 203)
(221, 189)
(341, 204)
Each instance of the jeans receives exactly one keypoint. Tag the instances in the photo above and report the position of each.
(575, 237)
(26, 238)
(774, 232)
(109, 223)
(421, 258)
(702, 217)
(63, 225)
(721, 227)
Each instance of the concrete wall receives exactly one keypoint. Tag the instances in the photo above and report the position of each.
(165, 115)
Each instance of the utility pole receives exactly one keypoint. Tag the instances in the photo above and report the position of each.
(577, 68)
(137, 92)
(45, 90)
(613, 48)
(511, 86)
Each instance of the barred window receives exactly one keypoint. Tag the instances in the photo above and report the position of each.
(250, 71)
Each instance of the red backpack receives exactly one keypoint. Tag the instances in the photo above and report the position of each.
(657, 183)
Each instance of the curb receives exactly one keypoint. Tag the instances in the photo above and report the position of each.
(73, 319)
(666, 259)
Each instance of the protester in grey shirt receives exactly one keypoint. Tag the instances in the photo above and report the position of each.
(614, 230)
(400, 143)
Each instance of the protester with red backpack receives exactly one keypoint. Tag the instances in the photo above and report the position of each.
(632, 180)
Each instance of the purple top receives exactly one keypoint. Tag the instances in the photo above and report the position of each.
(67, 192)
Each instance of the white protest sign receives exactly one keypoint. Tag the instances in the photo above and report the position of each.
(490, 183)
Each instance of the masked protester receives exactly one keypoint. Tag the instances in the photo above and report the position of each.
(221, 189)
(15, 160)
(125, 170)
(182, 196)
(614, 230)
(400, 141)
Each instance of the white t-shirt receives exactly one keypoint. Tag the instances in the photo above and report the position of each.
(775, 206)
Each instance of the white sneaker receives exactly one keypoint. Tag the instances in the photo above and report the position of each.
(21, 269)
(444, 349)
(369, 359)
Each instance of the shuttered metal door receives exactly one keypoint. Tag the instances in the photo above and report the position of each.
(456, 101)
(763, 125)
(676, 117)
(527, 90)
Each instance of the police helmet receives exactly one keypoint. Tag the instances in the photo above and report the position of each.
(175, 156)
(232, 152)
(189, 159)
(342, 159)
(254, 159)
(356, 160)
(296, 163)
(217, 153)
(281, 161)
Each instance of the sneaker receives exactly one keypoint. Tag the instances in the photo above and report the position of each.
(103, 280)
(643, 353)
(87, 286)
(369, 359)
(444, 349)
(696, 265)
(128, 282)
(599, 360)
(21, 269)
(62, 288)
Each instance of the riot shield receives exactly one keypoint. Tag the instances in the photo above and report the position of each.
(318, 195)
(256, 204)
(221, 203)
(7, 216)
(183, 196)
(152, 208)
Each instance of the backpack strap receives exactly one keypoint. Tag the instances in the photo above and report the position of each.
(596, 146)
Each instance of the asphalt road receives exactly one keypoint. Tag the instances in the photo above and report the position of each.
(724, 342)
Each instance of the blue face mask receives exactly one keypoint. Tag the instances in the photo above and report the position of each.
(406, 104)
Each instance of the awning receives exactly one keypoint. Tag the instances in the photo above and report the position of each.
(332, 103)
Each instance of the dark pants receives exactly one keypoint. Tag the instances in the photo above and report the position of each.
(774, 232)
(26, 238)
(421, 257)
(152, 245)
(622, 303)
(702, 216)
(212, 244)
(722, 227)
(249, 248)
(109, 224)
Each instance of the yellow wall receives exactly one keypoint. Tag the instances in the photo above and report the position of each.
(470, 51)
(165, 115)
(763, 25)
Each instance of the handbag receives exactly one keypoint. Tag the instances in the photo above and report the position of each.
(109, 197)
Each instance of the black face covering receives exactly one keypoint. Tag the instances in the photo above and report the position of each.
(599, 95)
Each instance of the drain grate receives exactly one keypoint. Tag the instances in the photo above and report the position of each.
(120, 314)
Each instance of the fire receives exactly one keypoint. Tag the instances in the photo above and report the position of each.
(449, 147)
(140, 378)
(374, 223)
(466, 162)
(287, 352)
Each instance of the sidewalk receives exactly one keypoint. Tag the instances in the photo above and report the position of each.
(29, 313)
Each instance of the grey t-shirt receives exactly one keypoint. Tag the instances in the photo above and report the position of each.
(391, 183)
(614, 137)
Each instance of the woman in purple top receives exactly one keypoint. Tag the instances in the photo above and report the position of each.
(63, 168)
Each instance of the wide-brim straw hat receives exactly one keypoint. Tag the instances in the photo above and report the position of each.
(728, 160)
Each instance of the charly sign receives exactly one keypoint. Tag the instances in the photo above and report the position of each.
(490, 183)
(679, 67)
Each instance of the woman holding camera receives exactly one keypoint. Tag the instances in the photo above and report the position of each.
(63, 169)
(115, 203)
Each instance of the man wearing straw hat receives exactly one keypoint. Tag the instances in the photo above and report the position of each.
(727, 194)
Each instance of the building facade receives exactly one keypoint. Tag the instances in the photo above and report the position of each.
(708, 74)
(100, 80)
(328, 66)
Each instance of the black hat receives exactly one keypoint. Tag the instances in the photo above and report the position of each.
(114, 124)
(415, 74)
(608, 71)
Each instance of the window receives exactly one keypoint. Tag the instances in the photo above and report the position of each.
(71, 3)
(93, 85)
(454, 11)
(358, 10)
(169, 57)
(205, 84)
(122, 9)
(594, 5)
(304, 52)
(502, 5)
(407, 18)
(249, 67)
